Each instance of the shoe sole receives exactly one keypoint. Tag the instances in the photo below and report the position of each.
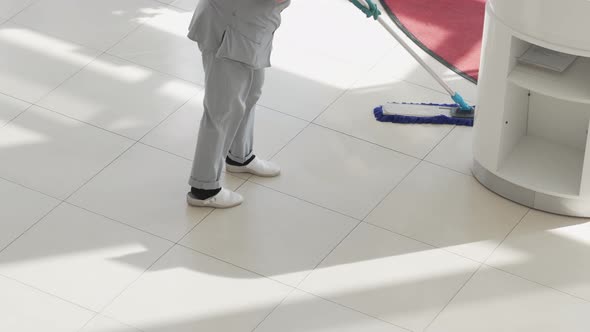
(235, 169)
(201, 204)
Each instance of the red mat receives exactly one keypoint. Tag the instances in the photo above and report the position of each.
(449, 30)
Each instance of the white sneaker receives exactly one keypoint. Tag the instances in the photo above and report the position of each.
(223, 200)
(257, 167)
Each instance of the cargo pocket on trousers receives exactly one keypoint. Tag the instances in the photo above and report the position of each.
(252, 50)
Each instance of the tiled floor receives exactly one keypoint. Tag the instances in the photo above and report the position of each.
(371, 227)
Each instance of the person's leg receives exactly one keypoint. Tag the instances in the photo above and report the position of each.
(227, 87)
(241, 158)
(241, 150)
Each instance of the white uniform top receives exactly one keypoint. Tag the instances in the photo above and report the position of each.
(239, 30)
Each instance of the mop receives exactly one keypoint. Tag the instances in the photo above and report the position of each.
(459, 113)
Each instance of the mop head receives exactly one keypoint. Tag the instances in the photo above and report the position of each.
(451, 114)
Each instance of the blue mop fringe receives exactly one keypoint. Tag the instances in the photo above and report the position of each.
(439, 119)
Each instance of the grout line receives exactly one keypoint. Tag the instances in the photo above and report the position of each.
(450, 169)
(16, 116)
(174, 244)
(17, 98)
(454, 296)
(527, 212)
(135, 142)
(271, 157)
(402, 180)
(88, 322)
(302, 199)
(328, 255)
(46, 293)
(195, 226)
(353, 309)
(361, 221)
(98, 314)
(165, 151)
(433, 246)
(119, 222)
(274, 309)
(172, 4)
(283, 113)
(30, 227)
(439, 142)
(94, 59)
(168, 116)
(233, 264)
(31, 189)
(537, 283)
(99, 54)
(197, 84)
(481, 264)
(100, 172)
(336, 99)
(84, 122)
(291, 140)
(130, 284)
(351, 86)
(367, 141)
(9, 19)
(521, 277)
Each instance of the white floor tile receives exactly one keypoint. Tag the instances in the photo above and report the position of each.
(21, 208)
(273, 131)
(302, 312)
(347, 35)
(25, 309)
(305, 85)
(401, 64)
(455, 151)
(353, 114)
(551, 250)
(272, 234)
(104, 324)
(120, 96)
(186, 291)
(390, 277)
(81, 257)
(188, 5)
(338, 171)
(10, 108)
(178, 134)
(496, 301)
(162, 43)
(146, 188)
(8, 8)
(315, 62)
(96, 24)
(34, 63)
(447, 209)
(54, 154)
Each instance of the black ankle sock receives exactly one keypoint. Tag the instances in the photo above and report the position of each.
(204, 194)
(229, 161)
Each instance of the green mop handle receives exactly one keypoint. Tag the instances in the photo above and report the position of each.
(454, 95)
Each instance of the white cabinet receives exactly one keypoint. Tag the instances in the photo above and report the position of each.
(532, 124)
